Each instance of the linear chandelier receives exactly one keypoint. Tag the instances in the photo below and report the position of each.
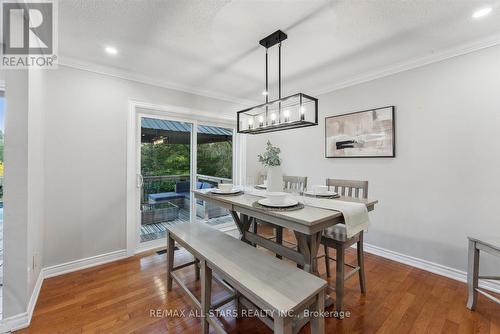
(294, 111)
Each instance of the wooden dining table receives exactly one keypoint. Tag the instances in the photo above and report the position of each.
(307, 224)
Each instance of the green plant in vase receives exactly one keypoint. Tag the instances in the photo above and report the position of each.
(271, 160)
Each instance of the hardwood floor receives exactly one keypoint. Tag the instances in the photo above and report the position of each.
(119, 298)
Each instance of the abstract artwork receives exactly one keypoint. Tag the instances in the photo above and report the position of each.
(367, 134)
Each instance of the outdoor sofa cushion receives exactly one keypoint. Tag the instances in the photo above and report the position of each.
(181, 190)
(164, 196)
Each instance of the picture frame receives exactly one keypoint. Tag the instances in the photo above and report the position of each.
(368, 133)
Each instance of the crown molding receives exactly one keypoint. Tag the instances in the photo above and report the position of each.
(359, 79)
(144, 79)
(413, 63)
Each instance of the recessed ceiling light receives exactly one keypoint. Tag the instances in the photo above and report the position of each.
(481, 12)
(111, 50)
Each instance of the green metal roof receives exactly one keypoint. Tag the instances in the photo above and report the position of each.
(160, 124)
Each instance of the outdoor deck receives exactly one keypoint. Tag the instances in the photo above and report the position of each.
(157, 231)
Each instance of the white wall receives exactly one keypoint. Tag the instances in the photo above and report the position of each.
(36, 173)
(15, 292)
(23, 192)
(85, 159)
(444, 183)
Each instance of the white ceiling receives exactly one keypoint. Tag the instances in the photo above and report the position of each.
(211, 46)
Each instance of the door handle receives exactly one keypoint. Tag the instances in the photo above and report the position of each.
(140, 181)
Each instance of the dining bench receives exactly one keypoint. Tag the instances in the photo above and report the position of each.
(274, 290)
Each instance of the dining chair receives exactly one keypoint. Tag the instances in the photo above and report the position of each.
(490, 245)
(291, 183)
(336, 237)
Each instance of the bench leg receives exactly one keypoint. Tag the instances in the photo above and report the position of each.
(206, 294)
(238, 305)
(318, 322)
(282, 325)
(472, 275)
(339, 279)
(170, 260)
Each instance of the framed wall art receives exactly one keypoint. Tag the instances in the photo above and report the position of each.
(362, 134)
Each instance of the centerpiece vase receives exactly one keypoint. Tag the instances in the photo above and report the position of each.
(274, 179)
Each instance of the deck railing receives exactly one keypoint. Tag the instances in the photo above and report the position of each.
(166, 183)
(213, 179)
(185, 177)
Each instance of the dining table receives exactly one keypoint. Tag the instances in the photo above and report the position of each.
(306, 223)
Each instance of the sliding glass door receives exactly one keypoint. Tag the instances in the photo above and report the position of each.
(176, 156)
(214, 160)
(165, 153)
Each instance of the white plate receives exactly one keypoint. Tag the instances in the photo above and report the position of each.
(225, 192)
(323, 194)
(261, 186)
(287, 203)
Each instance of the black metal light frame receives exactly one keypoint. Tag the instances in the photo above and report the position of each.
(276, 38)
(280, 126)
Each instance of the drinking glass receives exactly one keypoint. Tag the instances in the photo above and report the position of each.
(249, 183)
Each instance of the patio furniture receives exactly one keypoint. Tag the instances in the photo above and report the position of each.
(181, 198)
(336, 237)
(159, 212)
(253, 277)
(490, 246)
(203, 209)
(182, 190)
(207, 210)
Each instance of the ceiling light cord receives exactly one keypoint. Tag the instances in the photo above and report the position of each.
(267, 85)
(279, 81)
(279, 70)
(267, 79)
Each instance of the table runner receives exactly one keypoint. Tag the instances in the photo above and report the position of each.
(356, 217)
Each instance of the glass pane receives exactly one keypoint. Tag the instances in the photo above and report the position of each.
(165, 168)
(214, 166)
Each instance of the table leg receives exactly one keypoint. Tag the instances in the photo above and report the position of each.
(308, 247)
(197, 269)
(243, 224)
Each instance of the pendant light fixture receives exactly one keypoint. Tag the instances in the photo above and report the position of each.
(294, 111)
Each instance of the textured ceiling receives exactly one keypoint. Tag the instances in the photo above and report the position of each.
(212, 45)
